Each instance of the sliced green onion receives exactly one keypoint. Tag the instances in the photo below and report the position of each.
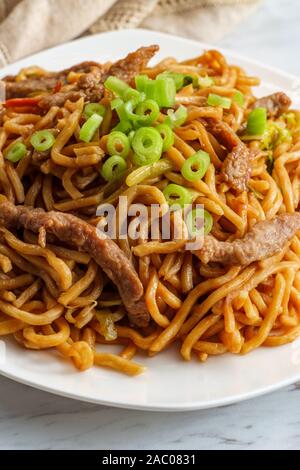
(113, 168)
(199, 222)
(133, 95)
(165, 92)
(178, 78)
(42, 140)
(89, 128)
(130, 136)
(123, 90)
(148, 112)
(140, 82)
(148, 171)
(126, 112)
(167, 136)
(182, 79)
(130, 115)
(238, 98)
(118, 105)
(257, 121)
(128, 108)
(150, 89)
(162, 90)
(118, 144)
(176, 118)
(123, 126)
(177, 195)
(217, 100)
(93, 108)
(195, 167)
(147, 145)
(117, 86)
(188, 79)
(16, 152)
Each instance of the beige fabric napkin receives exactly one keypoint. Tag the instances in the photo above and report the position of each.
(27, 26)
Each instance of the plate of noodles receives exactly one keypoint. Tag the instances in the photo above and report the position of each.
(101, 304)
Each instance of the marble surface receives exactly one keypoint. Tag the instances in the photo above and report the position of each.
(271, 35)
(31, 419)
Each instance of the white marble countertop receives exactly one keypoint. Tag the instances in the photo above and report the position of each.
(30, 419)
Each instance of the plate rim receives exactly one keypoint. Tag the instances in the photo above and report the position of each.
(173, 408)
(194, 405)
(204, 45)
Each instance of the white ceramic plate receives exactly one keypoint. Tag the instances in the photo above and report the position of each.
(169, 383)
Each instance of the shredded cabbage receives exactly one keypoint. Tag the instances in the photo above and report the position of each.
(107, 321)
(275, 134)
(290, 119)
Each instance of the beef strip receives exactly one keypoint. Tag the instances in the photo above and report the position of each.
(265, 239)
(224, 133)
(84, 67)
(236, 168)
(90, 84)
(59, 99)
(276, 104)
(133, 63)
(105, 252)
(46, 83)
(9, 78)
(25, 87)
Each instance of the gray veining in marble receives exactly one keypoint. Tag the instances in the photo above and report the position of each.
(31, 419)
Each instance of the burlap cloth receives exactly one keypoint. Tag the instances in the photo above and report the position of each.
(28, 26)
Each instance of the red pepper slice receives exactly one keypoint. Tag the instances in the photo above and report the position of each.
(17, 102)
(57, 87)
